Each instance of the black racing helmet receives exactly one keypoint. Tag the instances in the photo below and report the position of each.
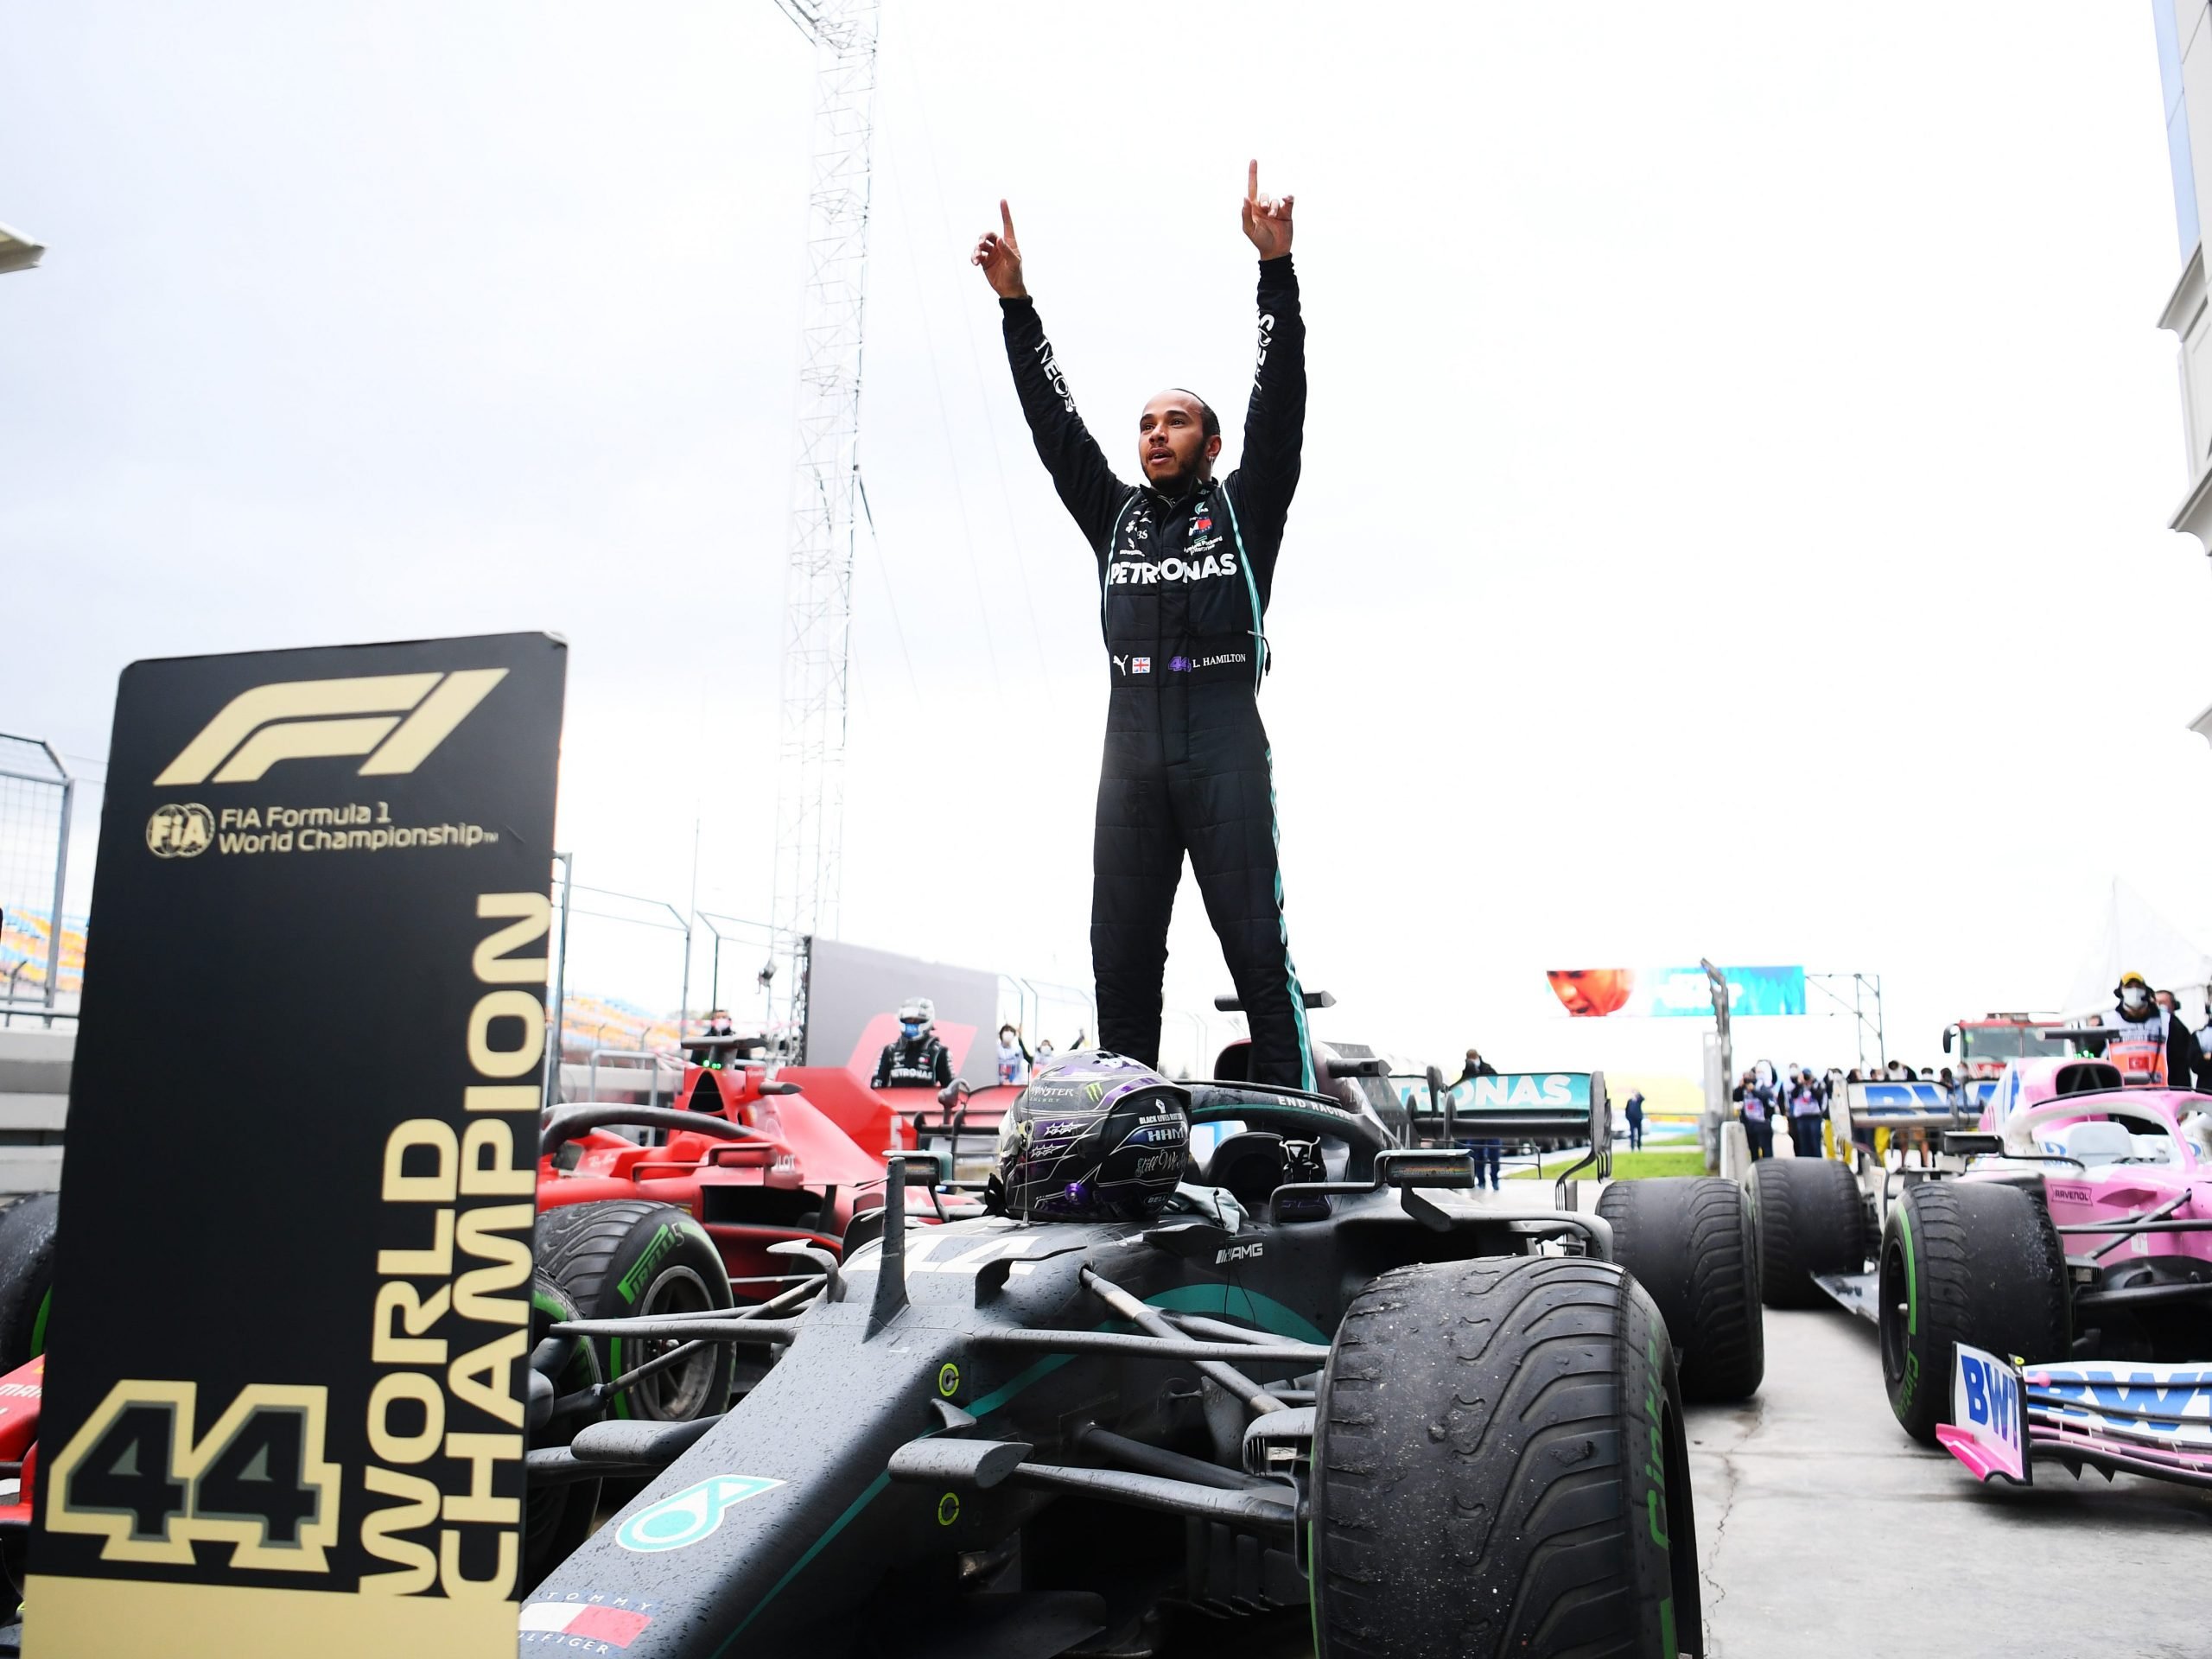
(1094, 1137)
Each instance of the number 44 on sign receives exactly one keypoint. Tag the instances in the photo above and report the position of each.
(1988, 1427)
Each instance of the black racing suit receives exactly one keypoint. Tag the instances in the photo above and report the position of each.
(1183, 587)
(923, 1063)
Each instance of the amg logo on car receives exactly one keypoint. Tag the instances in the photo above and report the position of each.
(1239, 1253)
(295, 720)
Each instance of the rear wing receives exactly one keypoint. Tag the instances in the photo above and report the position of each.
(1553, 1107)
(1910, 1105)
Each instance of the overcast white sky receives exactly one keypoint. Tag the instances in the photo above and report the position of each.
(1733, 511)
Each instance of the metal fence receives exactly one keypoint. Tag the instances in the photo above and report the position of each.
(37, 796)
(630, 970)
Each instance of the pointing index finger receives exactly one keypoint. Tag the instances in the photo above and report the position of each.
(1006, 218)
(1252, 182)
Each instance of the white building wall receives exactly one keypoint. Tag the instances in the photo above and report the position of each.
(2186, 63)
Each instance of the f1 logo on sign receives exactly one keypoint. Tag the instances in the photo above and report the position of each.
(1988, 1427)
(296, 720)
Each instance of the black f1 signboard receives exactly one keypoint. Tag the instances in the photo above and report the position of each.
(284, 1406)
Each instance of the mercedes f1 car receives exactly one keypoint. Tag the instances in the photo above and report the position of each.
(1320, 1377)
(2040, 1281)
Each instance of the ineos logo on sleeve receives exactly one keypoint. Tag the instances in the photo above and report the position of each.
(296, 720)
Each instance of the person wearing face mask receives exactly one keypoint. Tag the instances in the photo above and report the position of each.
(2153, 1049)
(1186, 564)
(718, 1024)
(1802, 1097)
(1013, 1056)
(1755, 1103)
(916, 1059)
(2202, 1076)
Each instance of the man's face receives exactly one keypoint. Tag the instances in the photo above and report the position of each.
(1172, 449)
(2165, 1000)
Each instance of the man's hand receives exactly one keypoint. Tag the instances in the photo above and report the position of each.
(1000, 257)
(1267, 219)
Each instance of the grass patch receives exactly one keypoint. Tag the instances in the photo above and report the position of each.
(1627, 1165)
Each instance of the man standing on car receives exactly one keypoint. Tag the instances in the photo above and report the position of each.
(1186, 564)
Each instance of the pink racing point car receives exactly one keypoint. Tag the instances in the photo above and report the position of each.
(2050, 1304)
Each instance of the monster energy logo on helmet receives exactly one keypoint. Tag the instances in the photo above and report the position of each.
(1118, 1156)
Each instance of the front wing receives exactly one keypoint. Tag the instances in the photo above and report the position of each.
(2148, 1420)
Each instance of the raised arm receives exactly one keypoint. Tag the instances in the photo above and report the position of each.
(1275, 421)
(1087, 486)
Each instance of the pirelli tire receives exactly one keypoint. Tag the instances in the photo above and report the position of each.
(1964, 1261)
(1691, 1242)
(1810, 1220)
(27, 1234)
(625, 1258)
(1499, 1468)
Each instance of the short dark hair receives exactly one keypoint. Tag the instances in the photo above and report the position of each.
(1209, 423)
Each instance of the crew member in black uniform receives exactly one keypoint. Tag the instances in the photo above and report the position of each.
(1185, 562)
(714, 1060)
(917, 1059)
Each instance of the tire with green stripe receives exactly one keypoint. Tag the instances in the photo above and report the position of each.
(1968, 1261)
(1499, 1467)
(625, 1259)
(556, 1516)
(26, 1277)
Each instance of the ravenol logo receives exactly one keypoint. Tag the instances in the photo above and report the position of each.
(296, 720)
(685, 1517)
